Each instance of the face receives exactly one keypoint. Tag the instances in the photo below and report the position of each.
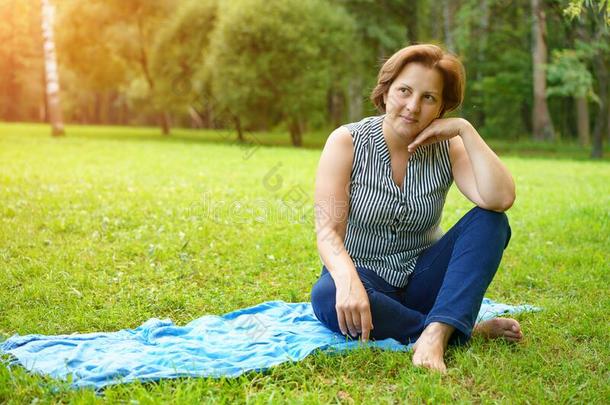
(414, 100)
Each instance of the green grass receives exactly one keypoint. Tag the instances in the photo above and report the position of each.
(108, 227)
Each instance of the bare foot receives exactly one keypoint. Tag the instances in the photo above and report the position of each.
(429, 349)
(506, 328)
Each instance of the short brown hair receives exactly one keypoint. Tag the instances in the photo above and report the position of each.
(432, 56)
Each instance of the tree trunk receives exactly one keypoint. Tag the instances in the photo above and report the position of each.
(238, 128)
(166, 122)
(355, 99)
(412, 29)
(448, 12)
(582, 115)
(296, 132)
(541, 119)
(11, 113)
(336, 103)
(601, 120)
(50, 61)
(196, 121)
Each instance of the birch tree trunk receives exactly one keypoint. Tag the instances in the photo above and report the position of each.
(541, 119)
(54, 114)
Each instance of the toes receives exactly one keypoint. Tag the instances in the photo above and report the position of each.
(430, 364)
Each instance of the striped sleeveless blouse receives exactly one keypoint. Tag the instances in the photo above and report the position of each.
(388, 227)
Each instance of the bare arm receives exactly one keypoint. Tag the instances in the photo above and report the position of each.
(331, 213)
(479, 173)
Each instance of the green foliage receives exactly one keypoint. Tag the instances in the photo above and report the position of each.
(127, 61)
(575, 8)
(496, 54)
(381, 29)
(569, 76)
(272, 61)
(107, 45)
(179, 51)
(101, 235)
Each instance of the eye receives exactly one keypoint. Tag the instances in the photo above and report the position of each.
(405, 90)
(430, 97)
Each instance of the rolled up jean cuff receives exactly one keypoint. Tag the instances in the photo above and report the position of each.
(462, 332)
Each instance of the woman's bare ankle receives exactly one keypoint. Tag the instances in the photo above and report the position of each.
(438, 330)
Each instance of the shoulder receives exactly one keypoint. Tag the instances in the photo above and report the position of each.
(338, 150)
(340, 138)
(363, 127)
(345, 140)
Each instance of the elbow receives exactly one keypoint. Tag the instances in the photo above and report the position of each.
(504, 203)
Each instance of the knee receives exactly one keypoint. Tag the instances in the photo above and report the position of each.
(499, 219)
(496, 222)
(323, 296)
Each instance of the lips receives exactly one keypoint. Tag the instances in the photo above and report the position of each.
(409, 120)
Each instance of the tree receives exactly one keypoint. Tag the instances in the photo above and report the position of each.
(493, 40)
(274, 61)
(177, 57)
(22, 86)
(596, 22)
(119, 37)
(50, 63)
(569, 76)
(382, 27)
(541, 119)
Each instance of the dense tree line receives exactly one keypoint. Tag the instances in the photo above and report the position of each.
(536, 68)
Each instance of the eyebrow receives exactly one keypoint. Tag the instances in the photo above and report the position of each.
(428, 91)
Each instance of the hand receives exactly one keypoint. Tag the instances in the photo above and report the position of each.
(438, 130)
(353, 308)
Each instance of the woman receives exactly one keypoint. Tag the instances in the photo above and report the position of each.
(380, 188)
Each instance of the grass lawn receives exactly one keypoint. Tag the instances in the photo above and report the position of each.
(108, 227)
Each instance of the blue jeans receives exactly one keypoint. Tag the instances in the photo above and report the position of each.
(447, 285)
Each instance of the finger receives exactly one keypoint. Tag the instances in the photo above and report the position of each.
(350, 323)
(419, 140)
(341, 321)
(356, 320)
(367, 324)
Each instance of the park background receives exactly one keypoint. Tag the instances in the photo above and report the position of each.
(157, 159)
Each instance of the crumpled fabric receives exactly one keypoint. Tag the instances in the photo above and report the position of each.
(254, 338)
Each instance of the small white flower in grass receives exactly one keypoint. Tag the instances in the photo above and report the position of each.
(270, 257)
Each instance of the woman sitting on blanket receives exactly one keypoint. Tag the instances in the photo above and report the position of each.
(381, 184)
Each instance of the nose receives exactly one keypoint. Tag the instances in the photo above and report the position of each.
(413, 104)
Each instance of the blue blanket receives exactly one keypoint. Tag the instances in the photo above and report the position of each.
(254, 338)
